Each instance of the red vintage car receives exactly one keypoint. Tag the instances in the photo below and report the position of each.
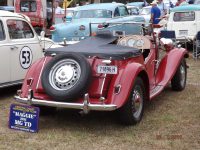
(106, 73)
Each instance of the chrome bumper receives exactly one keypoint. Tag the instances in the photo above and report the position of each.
(85, 106)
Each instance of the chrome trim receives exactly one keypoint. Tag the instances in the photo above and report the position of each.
(7, 84)
(85, 106)
(106, 61)
(41, 72)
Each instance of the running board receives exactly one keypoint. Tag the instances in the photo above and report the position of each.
(18, 82)
(156, 90)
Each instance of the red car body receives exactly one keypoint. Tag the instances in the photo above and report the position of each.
(108, 92)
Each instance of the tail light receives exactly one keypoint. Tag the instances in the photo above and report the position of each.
(52, 28)
(82, 27)
(100, 26)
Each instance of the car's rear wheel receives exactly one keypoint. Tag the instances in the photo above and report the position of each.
(66, 76)
(132, 112)
(178, 82)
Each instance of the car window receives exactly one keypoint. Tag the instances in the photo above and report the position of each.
(98, 13)
(116, 12)
(19, 29)
(146, 11)
(2, 33)
(184, 16)
(28, 6)
(123, 11)
(133, 11)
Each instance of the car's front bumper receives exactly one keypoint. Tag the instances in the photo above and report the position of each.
(85, 106)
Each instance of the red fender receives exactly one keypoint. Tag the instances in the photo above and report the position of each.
(125, 78)
(169, 65)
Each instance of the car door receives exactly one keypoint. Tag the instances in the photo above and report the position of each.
(25, 49)
(5, 55)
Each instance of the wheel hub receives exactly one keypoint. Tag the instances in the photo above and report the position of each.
(182, 71)
(64, 74)
(136, 103)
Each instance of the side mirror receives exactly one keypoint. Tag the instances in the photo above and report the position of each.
(42, 34)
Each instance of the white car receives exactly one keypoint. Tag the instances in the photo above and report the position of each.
(185, 21)
(19, 46)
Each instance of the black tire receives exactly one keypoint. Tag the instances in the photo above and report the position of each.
(66, 76)
(178, 82)
(127, 113)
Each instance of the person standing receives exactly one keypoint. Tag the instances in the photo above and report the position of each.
(58, 9)
(155, 13)
(163, 8)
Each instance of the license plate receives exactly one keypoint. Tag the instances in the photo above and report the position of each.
(107, 69)
(183, 32)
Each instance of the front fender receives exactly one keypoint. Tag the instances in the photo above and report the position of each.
(169, 65)
(125, 78)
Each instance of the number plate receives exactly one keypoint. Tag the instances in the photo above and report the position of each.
(183, 32)
(107, 69)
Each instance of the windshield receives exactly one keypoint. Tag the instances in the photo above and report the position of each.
(93, 14)
(146, 11)
(184, 16)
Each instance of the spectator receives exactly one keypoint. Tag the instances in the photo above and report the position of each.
(181, 2)
(155, 13)
(163, 8)
(58, 9)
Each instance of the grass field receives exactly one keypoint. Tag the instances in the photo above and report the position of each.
(171, 121)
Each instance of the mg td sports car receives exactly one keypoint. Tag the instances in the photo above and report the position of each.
(105, 73)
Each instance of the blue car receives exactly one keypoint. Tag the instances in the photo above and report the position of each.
(89, 19)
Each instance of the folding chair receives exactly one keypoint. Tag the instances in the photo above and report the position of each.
(168, 34)
(196, 46)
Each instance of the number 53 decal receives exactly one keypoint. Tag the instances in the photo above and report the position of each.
(25, 57)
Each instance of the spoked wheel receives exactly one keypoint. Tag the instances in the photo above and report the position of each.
(178, 82)
(66, 76)
(132, 112)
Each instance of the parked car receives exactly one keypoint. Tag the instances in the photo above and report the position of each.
(79, 28)
(20, 47)
(105, 73)
(185, 20)
(7, 8)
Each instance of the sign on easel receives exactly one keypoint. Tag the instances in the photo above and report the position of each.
(24, 118)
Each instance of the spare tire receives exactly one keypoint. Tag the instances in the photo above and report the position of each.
(66, 76)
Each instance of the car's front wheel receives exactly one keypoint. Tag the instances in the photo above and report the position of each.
(178, 82)
(132, 112)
